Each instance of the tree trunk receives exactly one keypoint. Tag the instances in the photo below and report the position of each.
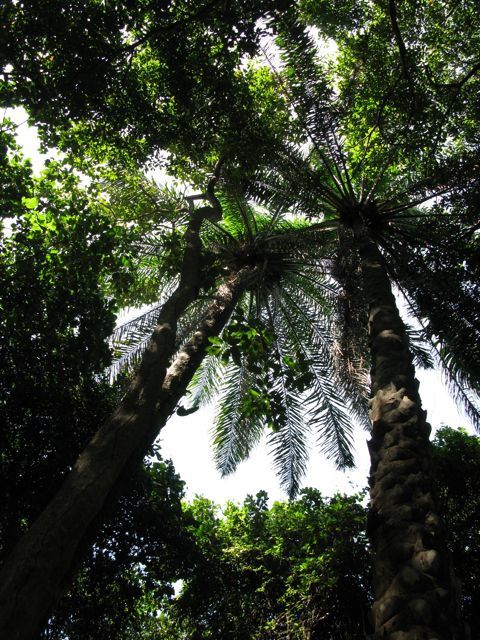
(416, 594)
(34, 574)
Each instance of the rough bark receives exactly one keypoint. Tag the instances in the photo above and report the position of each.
(416, 594)
(32, 578)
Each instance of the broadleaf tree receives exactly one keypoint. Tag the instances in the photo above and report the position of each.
(60, 268)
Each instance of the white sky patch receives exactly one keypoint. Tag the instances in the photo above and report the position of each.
(27, 138)
(187, 441)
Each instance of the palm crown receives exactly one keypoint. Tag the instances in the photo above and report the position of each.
(278, 362)
(421, 213)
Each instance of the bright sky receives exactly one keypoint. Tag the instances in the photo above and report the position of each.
(28, 139)
(187, 440)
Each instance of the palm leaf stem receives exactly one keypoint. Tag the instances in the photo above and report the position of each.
(273, 220)
(314, 326)
(221, 229)
(415, 203)
(313, 280)
(351, 190)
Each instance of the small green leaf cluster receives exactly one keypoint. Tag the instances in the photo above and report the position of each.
(249, 343)
(242, 337)
(132, 562)
(62, 266)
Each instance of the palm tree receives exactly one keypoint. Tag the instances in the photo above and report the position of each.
(275, 365)
(385, 235)
(268, 269)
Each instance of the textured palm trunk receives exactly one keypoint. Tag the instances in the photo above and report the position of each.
(416, 595)
(34, 574)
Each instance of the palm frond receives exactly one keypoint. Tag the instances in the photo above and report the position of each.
(318, 322)
(291, 183)
(310, 95)
(206, 383)
(234, 433)
(133, 196)
(467, 400)
(237, 216)
(330, 404)
(130, 339)
(289, 446)
(128, 358)
(457, 340)
(191, 319)
(419, 348)
(288, 442)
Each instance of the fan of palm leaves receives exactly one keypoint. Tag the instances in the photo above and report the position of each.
(431, 251)
(278, 364)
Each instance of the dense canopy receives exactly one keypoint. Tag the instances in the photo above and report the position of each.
(328, 157)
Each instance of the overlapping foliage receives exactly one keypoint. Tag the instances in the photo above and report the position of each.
(276, 364)
(413, 201)
(63, 266)
(374, 136)
(302, 567)
(61, 262)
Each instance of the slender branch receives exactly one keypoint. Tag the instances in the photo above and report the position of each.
(273, 219)
(392, 9)
(209, 194)
(457, 84)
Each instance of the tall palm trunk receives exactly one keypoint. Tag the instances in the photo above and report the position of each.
(33, 576)
(415, 589)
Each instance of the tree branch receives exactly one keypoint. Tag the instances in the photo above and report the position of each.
(457, 84)
(392, 9)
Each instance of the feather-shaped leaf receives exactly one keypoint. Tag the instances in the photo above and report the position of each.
(130, 339)
(206, 382)
(235, 433)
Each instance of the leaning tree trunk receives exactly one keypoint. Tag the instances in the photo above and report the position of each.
(416, 594)
(33, 576)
